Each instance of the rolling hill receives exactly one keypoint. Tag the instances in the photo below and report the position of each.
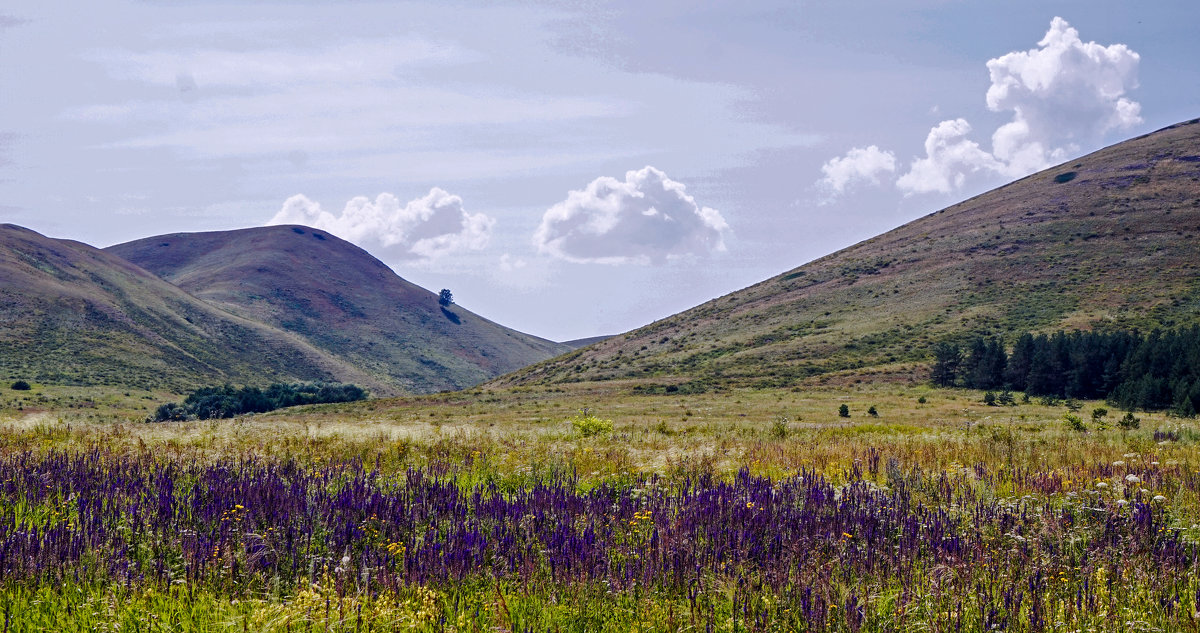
(74, 314)
(338, 298)
(1109, 240)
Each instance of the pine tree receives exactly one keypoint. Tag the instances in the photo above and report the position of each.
(1017, 372)
(947, 357)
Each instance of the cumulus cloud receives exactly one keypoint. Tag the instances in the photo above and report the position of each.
(647, 218)
(428, 227)
(1063, 96)
(949, 157)
(857, 166)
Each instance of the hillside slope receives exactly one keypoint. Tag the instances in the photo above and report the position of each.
(72, 313)
(342, 300)
(1105, 241)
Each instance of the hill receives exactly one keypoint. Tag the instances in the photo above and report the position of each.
(340, 299)
(1110, 240)
(73, 314)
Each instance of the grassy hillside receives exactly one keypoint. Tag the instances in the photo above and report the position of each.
(1105, 241)
(73, 314)
(342, 300)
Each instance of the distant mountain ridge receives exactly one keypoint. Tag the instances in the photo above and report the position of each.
(1110, 240)
(338, 298)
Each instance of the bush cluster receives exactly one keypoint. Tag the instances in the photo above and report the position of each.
(227, 401)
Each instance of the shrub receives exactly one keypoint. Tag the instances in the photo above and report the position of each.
(1129, 422)
(1074, 422)
(1065, 177)
(170, 412)
(21, 385)
(873, 412)
(921, 400)
(588, 424)
(1006, 398)
(989, 399)
(843, 411)
(780, 428)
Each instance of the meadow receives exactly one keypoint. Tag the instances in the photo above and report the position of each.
(525, 510)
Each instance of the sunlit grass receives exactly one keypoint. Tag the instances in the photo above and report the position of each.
(951, 453)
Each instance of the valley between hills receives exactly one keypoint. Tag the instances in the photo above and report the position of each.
(776, 459)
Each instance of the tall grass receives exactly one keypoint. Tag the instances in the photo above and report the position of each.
(944, 515)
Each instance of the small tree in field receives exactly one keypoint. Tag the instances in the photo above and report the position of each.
(844, 411)
(445, 297)
(1129, 422)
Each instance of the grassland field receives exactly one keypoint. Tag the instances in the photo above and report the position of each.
(1016, 521)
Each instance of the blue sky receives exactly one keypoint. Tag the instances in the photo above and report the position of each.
(568, 169)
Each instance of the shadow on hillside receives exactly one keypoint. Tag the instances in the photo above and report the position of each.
(450, 315)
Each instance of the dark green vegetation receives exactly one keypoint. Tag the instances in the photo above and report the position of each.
(338, 298)
(74, 314)
(1156, 371)
(226, 402)
(1108, 241)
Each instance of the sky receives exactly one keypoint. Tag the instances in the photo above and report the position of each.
(568, 169)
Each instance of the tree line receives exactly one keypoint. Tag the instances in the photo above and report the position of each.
(227, 401)
(1155, 371)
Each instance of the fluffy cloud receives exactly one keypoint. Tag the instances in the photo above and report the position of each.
(858, 165)
(949, 157)
(1063, 97)
(1062, 94)
(648, 218)
(427, 227)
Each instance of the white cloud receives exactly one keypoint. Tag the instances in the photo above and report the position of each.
(648, 218)
(858, 165)
(949, 157)
(1063, 96)
(427, 227)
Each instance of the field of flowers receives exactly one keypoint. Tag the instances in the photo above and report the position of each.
(368, 517)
